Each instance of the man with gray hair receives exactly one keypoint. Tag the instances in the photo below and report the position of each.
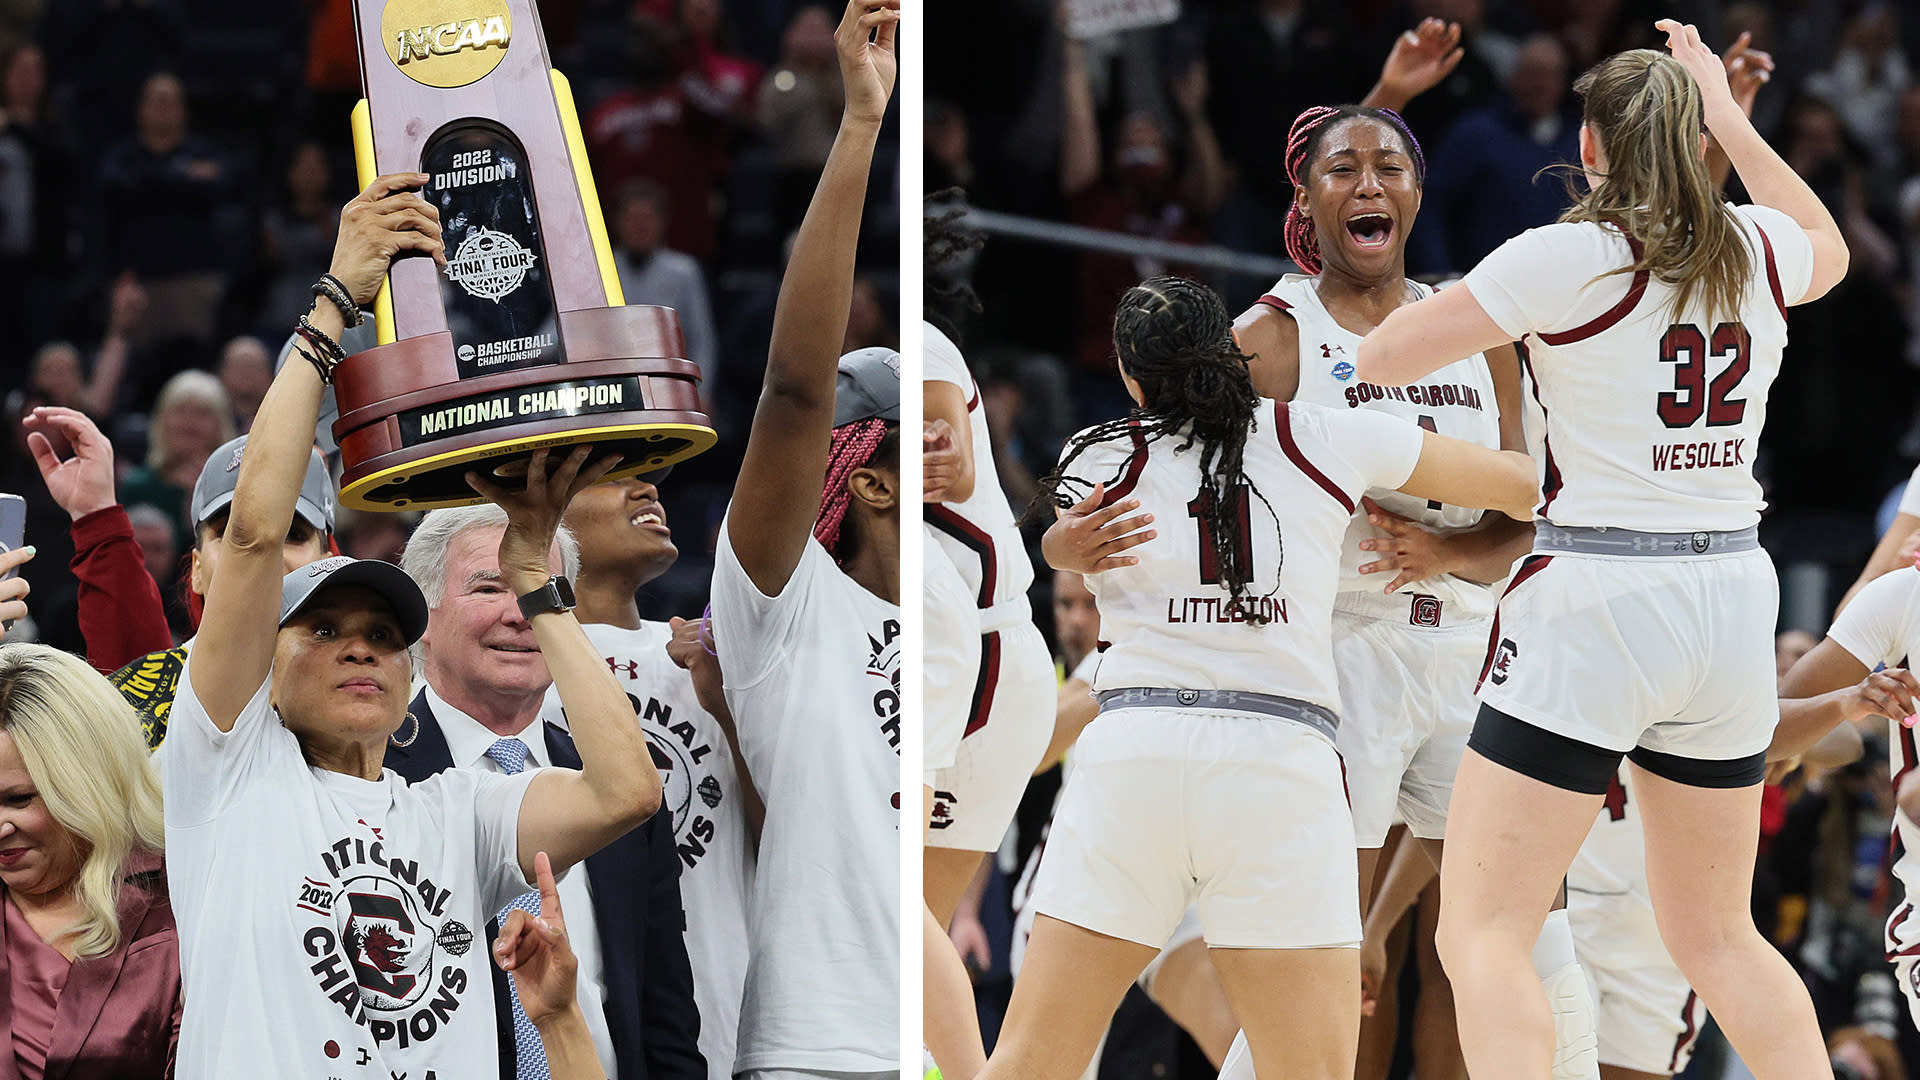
(485, 681)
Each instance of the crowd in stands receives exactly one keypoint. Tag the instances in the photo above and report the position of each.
(1176, 132)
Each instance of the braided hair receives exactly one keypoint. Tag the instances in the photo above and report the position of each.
(858, 445)
(1303, 139)
(948, 299)
(1174, 337)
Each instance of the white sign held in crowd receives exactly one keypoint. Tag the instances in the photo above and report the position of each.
(1088, 18)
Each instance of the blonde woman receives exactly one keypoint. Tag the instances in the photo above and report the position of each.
(191, 417)
(1651, 321)
(90, 966)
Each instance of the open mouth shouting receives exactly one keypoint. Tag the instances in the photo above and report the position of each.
(1370, 229)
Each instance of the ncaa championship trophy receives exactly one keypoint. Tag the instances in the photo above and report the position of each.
(524, 341)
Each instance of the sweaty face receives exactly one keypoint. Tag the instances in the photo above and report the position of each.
(1076, 621)
(1362, 195)
(478, 644)
(340, 667)
(622, 526)
(38, 856)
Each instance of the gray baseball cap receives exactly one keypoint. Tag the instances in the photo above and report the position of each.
(869, 387)
(213, 492)
(409, 605)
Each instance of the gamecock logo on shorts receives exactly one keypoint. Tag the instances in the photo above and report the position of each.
(1426, 611)
(1502, 661)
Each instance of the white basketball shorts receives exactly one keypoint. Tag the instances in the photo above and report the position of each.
(1243, 816)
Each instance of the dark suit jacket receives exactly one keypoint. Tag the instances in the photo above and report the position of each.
(119, 1016)
(636, 908)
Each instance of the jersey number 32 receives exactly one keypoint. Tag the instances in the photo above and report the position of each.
(1687, 349)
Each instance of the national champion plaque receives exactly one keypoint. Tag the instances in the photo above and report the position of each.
(524, 341)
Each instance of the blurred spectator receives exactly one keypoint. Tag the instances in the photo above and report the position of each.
(947, 163)
(1865, 1054)
(867, 322)
(190, 419)
(163, 199)
(715, 81)
(647, 132)
(367, 535)
(652, 273)
(800, 102)
(1866, 80)
(1789, 647)
(33, 206)
(153, 531)
(298, 234)
(57, 375)
(246, 370)
(1142, 184)
(1483, 184)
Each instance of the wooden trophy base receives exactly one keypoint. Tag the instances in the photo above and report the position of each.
(410, 429)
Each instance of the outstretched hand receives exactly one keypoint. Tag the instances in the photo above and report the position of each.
(389, 217)
(868, 64)
(1088, 538)
(1748, 69)
(81, 483)
(533, 514)
(536, 953)
(1421, 58)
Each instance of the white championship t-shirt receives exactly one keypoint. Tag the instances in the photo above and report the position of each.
(980, 534)
(1882, 626)
(1456, 401)
(813, 679)
(1644, 420)
(702, 789)
(330, 926)
(1167, 616)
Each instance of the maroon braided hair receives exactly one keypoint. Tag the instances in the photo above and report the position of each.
(853, 448)
(1302, 140)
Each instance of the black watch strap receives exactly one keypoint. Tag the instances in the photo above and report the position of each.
(555, 595)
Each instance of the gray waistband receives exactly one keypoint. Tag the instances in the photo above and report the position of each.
(1549, 538)
(1317, 717)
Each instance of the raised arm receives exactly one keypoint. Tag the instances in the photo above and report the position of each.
(538, 956)
(1465, 474)
(1829, 686)
(1748, 69)
(121, 615)
(1768, 178)
(786, 457)
(1420, 58)
(233, 653)
(571, 814)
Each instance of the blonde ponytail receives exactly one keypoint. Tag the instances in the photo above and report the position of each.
(1646, 110)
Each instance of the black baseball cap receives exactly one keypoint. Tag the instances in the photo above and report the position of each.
(868, 387)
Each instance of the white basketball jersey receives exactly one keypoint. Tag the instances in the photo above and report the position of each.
(1457, 401)
(1882, 626)
(979, 535)
(1167, 617)
(1646, 421)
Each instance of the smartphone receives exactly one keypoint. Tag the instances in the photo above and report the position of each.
(13, 533)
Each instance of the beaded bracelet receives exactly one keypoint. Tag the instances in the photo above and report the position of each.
(325, 369)
(332, 288)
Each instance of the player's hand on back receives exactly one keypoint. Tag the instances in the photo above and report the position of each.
(1088, 538)
(939, 460)
(1891, 692)
(1417, 552)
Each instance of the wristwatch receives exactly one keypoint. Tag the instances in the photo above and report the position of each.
(555, 596)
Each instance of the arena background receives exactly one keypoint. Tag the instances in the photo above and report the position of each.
(171, 172)
(1215, 91)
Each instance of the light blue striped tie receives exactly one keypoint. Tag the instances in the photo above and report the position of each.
(511, 756)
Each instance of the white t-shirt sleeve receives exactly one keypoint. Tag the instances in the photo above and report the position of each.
(207, 767)
(496, 799)
(753, 632)
(943, 361)
(1792, 249)
(1545, 279)
(1910, 498)
(1364, 449)
(1877, 626)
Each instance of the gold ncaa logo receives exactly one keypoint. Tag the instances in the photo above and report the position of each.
(446, 43)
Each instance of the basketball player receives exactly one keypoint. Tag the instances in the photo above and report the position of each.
(806, 619)
(1217, 692)
(1652, 320)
